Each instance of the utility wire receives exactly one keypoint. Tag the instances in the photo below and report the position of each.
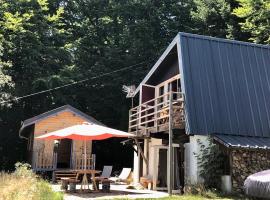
(75, 82)
(82, 81)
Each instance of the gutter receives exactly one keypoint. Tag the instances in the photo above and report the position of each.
(20, 131)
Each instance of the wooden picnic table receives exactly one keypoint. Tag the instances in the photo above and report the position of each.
(91, 172)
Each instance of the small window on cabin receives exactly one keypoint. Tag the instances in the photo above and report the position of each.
(174, 88)
(178, 85)
(161, 92)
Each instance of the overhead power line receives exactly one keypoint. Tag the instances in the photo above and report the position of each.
(81, 81)
(75, 82)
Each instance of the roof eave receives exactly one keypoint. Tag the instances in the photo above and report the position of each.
(157, 64)
(47, 114)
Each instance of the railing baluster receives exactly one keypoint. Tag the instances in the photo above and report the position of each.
(152, 113)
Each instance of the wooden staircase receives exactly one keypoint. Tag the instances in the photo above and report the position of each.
(64, 174)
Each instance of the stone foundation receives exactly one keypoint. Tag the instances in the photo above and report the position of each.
(245, 163)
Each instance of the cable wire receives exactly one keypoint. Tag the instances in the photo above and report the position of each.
(81, 81)
(75, 82)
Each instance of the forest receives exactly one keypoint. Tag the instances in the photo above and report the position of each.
(103, 44)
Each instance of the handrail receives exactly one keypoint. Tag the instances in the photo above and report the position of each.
(155, 112)
(153, 100)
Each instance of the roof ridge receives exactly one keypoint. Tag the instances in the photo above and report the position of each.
(225, 40)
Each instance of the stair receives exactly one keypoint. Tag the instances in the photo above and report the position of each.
(64, 174)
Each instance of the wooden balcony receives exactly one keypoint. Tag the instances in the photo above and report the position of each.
(155, 115)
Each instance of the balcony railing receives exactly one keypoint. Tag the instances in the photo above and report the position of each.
(153, 115)
(48, 161)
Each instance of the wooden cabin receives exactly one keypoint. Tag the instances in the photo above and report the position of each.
(51, 155)
(202, 87)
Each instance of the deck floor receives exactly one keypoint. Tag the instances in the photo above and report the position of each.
(117, 191)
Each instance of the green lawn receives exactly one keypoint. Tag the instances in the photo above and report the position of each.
(198, 197)
(207, 196)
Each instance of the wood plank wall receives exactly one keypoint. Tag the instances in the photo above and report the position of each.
(44, 148)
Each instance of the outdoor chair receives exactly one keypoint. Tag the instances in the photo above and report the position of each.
(123, 177)
(106, 173)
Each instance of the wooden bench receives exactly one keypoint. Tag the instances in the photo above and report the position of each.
(65, 181)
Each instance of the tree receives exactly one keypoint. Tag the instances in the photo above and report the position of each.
(256, 15)
(215, 18)
(211, 17)
(34, 42)
(6, 83)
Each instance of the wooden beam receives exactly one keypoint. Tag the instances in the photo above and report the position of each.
(170, 150)
(141, 152)
(147, 155)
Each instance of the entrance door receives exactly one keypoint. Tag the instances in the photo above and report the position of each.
(63, 153)
(160, 168)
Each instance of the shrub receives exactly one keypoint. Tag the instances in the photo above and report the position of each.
(24, 184)
(211, 164)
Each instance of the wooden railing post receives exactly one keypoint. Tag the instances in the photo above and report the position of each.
(138, 119)
(129, 120)
(156, 115)
(170, 150)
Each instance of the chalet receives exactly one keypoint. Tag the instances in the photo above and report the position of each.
(203, 87)
(49, 155)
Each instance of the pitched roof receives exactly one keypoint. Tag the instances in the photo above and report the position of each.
(226, 84)
(243, 141)
(55, 111)
(176, 41)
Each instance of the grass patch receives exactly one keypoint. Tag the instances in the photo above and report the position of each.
(24, 184)
(206, 196)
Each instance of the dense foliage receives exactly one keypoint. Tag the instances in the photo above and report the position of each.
(211, 161)
(24, 184)
(48, 43)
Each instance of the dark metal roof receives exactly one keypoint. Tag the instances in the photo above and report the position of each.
(226, 85)
(42, 116)
(243, 141)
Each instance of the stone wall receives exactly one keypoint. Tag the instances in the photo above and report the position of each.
(245, 163)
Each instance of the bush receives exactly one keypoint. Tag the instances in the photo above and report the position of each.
(211, 164)
(24, 184)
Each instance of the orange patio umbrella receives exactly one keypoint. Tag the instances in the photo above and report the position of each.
(86, 132)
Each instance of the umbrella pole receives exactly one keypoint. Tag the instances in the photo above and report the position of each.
(85, 181)
(85, 157)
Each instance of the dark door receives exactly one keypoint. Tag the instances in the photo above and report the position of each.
(178, 170)
(162, 169)
(147, 114)
(64, 153)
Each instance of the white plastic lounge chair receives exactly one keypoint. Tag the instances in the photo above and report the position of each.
(123, 176)
(106, 173)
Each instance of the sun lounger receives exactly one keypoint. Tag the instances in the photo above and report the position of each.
(124, 175)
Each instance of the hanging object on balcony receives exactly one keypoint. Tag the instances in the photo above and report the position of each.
(130, 90)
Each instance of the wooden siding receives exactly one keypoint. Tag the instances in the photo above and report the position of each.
(43, 149)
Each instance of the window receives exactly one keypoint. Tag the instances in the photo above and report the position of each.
(172, 84)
